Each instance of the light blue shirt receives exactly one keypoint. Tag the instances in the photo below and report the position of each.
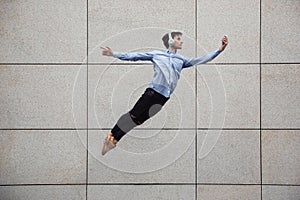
(167, 66)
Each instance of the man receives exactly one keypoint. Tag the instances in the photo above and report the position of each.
(167, 68)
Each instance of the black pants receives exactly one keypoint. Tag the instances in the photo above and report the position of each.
(147, 106)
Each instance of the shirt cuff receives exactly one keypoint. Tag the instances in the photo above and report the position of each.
(115, 54)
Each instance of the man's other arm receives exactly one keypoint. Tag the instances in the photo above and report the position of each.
(201, 60)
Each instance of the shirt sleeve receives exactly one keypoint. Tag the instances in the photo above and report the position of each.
(201, 60)
(134, 56)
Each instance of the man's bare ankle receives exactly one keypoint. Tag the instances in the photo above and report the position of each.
(111, 138)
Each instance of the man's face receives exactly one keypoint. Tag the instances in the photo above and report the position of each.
(178, 42)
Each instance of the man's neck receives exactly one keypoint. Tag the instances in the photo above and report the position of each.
(172, 49)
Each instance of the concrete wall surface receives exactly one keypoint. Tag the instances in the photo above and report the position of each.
(230, 131)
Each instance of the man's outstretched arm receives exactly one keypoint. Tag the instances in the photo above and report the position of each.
(133, 56)
(208, 57)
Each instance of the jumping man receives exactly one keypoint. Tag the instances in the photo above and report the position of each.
(167, 67)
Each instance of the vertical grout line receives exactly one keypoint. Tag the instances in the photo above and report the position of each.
(87, 97)
(196, 111)
(260, 146)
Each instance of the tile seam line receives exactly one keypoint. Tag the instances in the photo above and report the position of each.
(211, 63)
(103, 129)
(83, 184)
(196, 94)
(87, 99)
(260, 100)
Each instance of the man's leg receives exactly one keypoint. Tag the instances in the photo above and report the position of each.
(150, 103)
(125, 123)
(130, 119)
(147, 106)
(153, 110)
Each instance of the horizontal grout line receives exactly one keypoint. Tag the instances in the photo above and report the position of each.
(147, 63)
(203, 129)
(43, 63)
(42, 184)
(69, 129)
(64, 184)
(184, 129)
(283, 63)
(170, 184)
(243, 63)
(58, 129)
(265, 184)
(119, 63)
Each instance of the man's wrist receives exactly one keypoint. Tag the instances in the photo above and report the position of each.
(114, 54)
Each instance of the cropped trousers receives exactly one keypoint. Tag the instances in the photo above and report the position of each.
(149, 104)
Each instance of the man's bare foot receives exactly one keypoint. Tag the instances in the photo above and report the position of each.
(109, 143)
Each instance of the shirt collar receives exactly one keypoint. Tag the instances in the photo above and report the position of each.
(169, 52)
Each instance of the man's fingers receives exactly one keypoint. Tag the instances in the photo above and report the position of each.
(225, 40)
(105, 48)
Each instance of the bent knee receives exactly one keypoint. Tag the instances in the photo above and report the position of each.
(134, 118)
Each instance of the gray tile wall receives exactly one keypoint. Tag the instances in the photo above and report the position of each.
(231, 129)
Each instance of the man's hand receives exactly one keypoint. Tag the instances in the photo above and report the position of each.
(224, 43)
(106, 51)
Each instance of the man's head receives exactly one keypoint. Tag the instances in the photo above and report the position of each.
(176, 36)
